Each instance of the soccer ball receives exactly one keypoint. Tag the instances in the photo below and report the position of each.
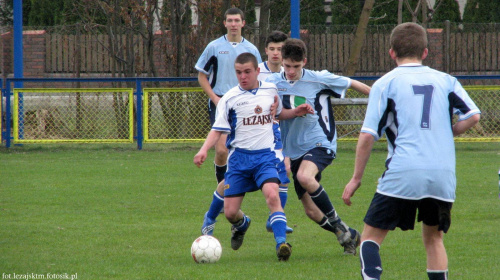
(206, 249)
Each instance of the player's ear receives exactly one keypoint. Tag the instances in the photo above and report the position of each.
(393, 54)
(426, 52)
(305, 61)
(243, 23)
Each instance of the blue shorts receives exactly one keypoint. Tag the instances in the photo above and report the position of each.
(247, 171)
(321, 157)
(388, 212)
(283, 176)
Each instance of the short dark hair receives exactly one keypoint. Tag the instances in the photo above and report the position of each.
(408, 39)
(234, 11)
(245, 58)
(294, 49)
(276, 37)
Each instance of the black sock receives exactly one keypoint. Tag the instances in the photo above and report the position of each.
(321, 199)
(437, 274)
(220, 171)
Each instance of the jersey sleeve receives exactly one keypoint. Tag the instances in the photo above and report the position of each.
(461, 103)
(203, 64)
(377, 105)
(338, 84)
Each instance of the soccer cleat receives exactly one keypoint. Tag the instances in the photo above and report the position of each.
(351, 245)
(269, 228)
(283, 251)
(238, 236)
(208, 225)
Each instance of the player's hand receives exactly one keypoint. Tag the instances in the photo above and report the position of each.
(199, 158)
(349, 191)
(303, 109)
(274, 106)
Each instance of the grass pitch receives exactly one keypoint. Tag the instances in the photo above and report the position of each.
(113, 212)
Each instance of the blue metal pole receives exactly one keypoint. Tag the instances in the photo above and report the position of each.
(8, 114)
(18, 42)
(138, 95)
(295, 18)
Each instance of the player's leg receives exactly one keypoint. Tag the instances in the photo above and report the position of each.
(371, 264)
(436, 219)
(215, 208)
(239, 221)
(307, 176)
(220, 159)
(437, 260)
(277, 219)
(283, 193)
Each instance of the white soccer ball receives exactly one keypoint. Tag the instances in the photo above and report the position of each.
(206, 249)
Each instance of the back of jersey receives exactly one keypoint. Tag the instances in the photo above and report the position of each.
(413, 105)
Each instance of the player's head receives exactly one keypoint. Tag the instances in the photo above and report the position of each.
(247, 70)
(293, 54)
(274, 42)
(234, 20)
(409, 40)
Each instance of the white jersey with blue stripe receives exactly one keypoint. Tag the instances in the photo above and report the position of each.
(413, 106)
(217, 62)
(265, 72)
(299, 135)
(246, 117)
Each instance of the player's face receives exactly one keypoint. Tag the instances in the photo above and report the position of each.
(247, 75)
(273, 52)
(293, 69)
(234, 24)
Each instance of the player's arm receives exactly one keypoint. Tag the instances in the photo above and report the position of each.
(464, 125)
(212, 138)
(298, 111)
(360, 87)
(205, 85)
(363, 151)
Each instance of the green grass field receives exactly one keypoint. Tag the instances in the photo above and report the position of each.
(113, 212)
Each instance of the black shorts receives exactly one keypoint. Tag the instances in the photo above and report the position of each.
(212, 108)
(321, 157)
(387, 212)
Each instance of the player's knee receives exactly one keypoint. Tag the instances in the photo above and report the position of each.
(305, 180)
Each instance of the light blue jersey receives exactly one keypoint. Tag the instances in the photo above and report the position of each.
(413, 105)
(299, 135)
(217, 62)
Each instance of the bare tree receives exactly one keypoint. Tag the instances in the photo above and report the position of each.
(357, 44)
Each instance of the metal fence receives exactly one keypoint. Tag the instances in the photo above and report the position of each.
(165, 115)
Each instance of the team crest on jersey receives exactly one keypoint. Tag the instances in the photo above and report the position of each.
(258, 109)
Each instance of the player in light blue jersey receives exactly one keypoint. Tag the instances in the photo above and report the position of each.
(310, 142)
(244, 114)
(216, 75)
(413, 105)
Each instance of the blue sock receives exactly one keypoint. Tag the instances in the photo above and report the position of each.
(216, 206)
(371, 264)
(283, 196)
(437, 274)
(278, 223)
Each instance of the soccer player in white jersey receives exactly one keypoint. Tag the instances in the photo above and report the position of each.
(273, 50)
(310, 142)
(413, 105)
(216, 76)
(244, 114)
